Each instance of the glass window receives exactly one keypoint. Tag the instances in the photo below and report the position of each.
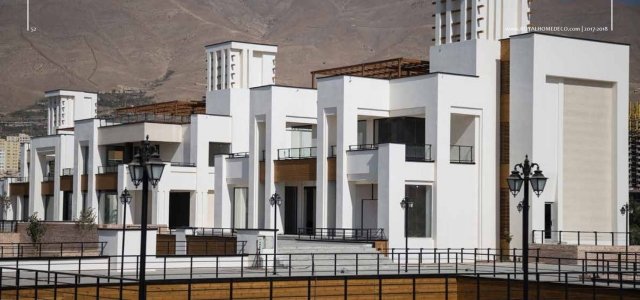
(115, 156)
(401, 130)
(362, 132)
(108, 206)
(217, 148)
(420, 215)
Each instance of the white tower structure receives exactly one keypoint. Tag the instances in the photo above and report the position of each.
(461, 20)
(240, 65)
(65, 107)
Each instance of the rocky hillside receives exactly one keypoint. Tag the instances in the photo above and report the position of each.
(157, 46)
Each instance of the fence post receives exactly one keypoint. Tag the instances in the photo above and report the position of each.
(289, 264)
(335, 263)
(35, 288)
(313, 264)
(97, 287)
(75, 288)
(356, 263)
(55, 286)
(596, 234)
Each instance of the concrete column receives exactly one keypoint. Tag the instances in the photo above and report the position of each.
(347, 135)
(222, 206)
(254, 199)
(322, 144)
(275, 129)
(159, 205)
(390, 192)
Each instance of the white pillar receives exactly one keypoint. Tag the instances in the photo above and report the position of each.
(390, 192)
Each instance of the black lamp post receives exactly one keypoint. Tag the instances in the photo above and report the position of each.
(125, 198)
(146, 167)
(625, 210)
(275, 201)
(406, 204)
(515, 181)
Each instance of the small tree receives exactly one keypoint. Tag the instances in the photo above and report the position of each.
(86, 221)
(36, 228)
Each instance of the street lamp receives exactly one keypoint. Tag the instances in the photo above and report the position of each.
(146, 167)
(515, 182)
(125, 198)
(406, 204)
(625, 210)
(275, 201)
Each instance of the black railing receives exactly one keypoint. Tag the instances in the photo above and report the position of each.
(107, 169)
(145, 117)
(8, 225)
(332, 151)
(363, 147)
(343, 234)
(296, 153)
(461, 154)
(67, 172)
(238, 155)
(67, 249)
(570, 237)
(182, 164)
(205, 231)
(201, 248)
(418, 153)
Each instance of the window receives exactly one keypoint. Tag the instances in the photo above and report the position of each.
(108, 208)
(420, 216)
(215, 149)
(401, 130)
(362, 132)
(240, 211)
(115, 155)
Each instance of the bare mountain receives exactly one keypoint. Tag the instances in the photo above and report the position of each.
(157, 46)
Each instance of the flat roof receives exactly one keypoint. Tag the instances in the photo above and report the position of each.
(568, 37)
(398, 67)
(236, 41)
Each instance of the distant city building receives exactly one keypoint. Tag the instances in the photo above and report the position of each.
(10, 154)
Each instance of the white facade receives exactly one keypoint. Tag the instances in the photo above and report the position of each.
(65, 107)
(232, 65)
(461, 20)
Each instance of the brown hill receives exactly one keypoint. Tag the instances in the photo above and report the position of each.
(157, 46)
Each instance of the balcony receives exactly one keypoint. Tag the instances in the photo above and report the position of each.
(141, 118)
(461, 154)
(182, 164)
(237, 155)
(418, 153)
(49, 177)
(363, 147)
(107, 169)
(67, 172)
(297, 153)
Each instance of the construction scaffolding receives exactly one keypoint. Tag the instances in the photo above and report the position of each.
(384, 69)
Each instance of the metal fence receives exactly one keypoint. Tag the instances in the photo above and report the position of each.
(461, 154)
(363, 147)
(8, 226)
(578, 237)
(146, 117)
(342, 234)
(297, 153)
(182, 164)
(70, 249)
(107, 169)
(418, 153)
(207, 231)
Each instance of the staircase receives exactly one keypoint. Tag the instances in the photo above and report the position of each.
(326, 258)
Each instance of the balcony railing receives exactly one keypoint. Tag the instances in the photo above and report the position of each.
(49, 177)
(363, 147)
(296, 153)
(147, 117)
(418, 153)
(107, 169)
(461, 154)
(345, 234)
(332, 151)
(67, 172)
(182, 164)
(238, 155)
(21, 179)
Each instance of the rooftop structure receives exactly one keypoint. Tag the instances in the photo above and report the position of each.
(173, 108)
(383, 69)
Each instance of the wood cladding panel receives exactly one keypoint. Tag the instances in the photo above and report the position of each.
(19, 188)
(261, 172)
(46, 188)
(107, 182)
(331, 168)
(83, 183)
(66, 183)
(165, 244)
(211, 245)
(505, 82)
(295, 170)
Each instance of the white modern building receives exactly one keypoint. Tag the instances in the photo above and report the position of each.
(66, 106)
(442, 134)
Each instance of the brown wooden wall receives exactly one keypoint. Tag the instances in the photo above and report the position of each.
(211, 245)
(107, 182)
(83, 183)
(19, 188)
(66, 183)
(504, 144)
(46, 188)
(295, 170)
(331, 168)
(165, 244)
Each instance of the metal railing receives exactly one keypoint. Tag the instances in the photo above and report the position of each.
(182, 164)
(70, 249)
(21, 179)
(574, 237)
(461, 154)
(342, 234)
(418, 153)
(205, 231)
(48, 177)
(201, 248)
(145, 117)
(67, 172)
(107, 169)
(332, 151)
(8, 225)
(297, 153)
(363, 147)
(238, 155)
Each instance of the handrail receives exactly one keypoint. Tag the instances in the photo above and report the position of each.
(205, 231)
(67, 172)
(363, 147)
(182, 164)
(238, 155)
(107, 169)
(345, 234)
(144, 117)
(332, 151)
(418, 153)
(578, 237)
(296, 153)
(461, 154)
(49, 249)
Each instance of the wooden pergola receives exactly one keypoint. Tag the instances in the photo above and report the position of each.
(174, 108)
(383, 69)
